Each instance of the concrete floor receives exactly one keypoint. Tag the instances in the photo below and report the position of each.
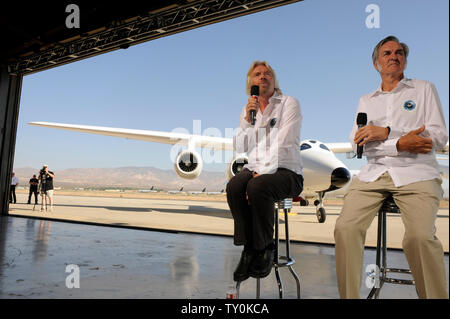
(36, 257)
(207, 217)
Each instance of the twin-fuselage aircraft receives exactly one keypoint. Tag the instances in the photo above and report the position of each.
(322, 171)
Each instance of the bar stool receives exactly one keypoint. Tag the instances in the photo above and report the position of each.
(382, 270)
(288, 261)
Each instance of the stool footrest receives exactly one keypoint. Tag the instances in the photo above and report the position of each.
(398, 270)
(284, 204)
(289, 262)
(399, 281)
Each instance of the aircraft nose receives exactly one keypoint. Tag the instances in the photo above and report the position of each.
(340, 176)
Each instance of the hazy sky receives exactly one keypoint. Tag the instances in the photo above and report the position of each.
(321, 51)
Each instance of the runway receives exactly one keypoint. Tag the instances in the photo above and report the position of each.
(187, 254)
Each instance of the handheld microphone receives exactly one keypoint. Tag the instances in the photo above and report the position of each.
(254, 92)
(361, 120)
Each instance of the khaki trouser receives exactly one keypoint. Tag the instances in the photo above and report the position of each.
(418, 203)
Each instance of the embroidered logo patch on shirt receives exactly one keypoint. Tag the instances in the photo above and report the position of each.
(273, 122)
(409, 105)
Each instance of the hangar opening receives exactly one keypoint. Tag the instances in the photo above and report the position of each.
(43, 36)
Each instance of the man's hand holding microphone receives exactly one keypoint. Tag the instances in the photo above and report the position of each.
(252, 105)
(410, 142)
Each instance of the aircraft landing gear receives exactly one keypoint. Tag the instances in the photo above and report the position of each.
(304, 202)
(320, 210)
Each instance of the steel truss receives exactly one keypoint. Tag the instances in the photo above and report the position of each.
(146, 27)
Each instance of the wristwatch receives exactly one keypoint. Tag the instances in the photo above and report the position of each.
(389, 130)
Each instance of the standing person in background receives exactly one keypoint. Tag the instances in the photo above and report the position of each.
(46, 179)
(14, 183)
(34, 182)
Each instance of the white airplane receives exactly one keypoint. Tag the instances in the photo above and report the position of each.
(176, 191)
(443, 169)
(151, 190)
(343, 190)
(445, 189)
(216, 193)
(197, 192)
(322, 170)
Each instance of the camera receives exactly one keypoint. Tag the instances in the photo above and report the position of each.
(43, 175)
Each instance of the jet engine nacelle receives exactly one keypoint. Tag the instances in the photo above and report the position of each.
(188, 164)
(235, 166)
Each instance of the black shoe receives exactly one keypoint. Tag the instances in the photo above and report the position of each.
(262, 263)
(241, 272)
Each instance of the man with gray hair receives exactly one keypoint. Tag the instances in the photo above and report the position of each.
(405, 126)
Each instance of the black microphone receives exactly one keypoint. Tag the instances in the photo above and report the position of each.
(361, 120)
(254, 92)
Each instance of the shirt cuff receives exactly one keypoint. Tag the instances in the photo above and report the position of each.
(395, 133)
(390, 146)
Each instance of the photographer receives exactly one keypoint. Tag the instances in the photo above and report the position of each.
(46, 187)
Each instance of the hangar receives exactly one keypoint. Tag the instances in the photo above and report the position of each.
(44, 35)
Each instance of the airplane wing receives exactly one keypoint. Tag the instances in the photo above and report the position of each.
(340, 147)
(443, 151)
(211, 142)
(216, 143)
(443, 169)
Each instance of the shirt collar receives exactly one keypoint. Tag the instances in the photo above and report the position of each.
(404, 82)
(276, 95)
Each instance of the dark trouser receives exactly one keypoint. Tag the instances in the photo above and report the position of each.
(35, 192)
(12, 194)
(254, 221)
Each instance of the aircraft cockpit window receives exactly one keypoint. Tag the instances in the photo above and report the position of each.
(324, 147)
(312, 141)
(304, 146)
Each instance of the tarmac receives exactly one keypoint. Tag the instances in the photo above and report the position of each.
(168, 248)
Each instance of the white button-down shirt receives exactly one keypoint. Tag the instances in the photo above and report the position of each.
(407, 107)
(274, 141)
(14, 180)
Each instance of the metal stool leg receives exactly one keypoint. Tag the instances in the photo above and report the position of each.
(276, 259)
(238, 286)
(288, 252)
(286, 205)
(381, 259)
(381, 252)
(258, 288)
(382, 266)
(375, 290)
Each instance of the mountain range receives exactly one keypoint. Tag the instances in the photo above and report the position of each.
(126, 177)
